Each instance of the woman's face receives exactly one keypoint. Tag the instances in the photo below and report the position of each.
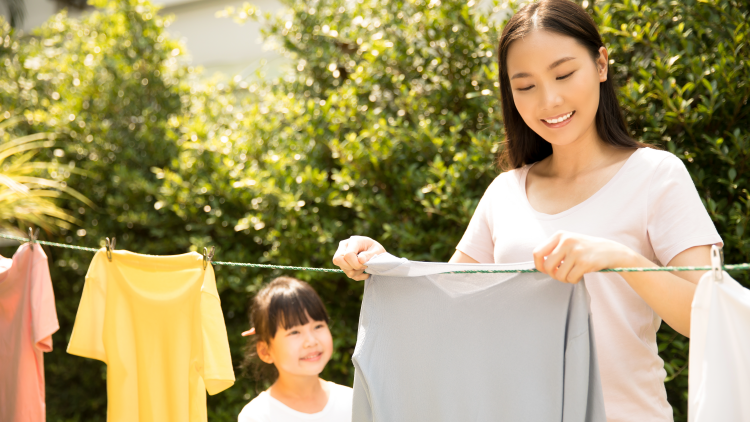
(555, 85)
(300, 350)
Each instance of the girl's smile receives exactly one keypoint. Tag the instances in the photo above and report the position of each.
(313, 357)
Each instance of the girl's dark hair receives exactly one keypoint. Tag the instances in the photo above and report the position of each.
(284, 302)
(523, 145)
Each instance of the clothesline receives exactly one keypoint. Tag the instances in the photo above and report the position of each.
(729, 267)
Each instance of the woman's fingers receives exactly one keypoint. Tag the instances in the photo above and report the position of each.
(346, 254)
(357, 275)
(576, 274)
(568, 256)
(542, 251)
(353, 253)
(563, 271)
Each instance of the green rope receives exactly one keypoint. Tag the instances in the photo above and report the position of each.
(734, 267)
(277, 267)
(43, 242)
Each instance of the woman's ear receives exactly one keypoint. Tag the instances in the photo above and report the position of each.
(263, 351)
(602, 64)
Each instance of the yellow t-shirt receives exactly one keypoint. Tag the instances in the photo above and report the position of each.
(156, 322)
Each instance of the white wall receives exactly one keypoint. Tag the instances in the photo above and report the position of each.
(220, 45)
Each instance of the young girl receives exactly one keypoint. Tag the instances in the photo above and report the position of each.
(290, 346)
(581, 196)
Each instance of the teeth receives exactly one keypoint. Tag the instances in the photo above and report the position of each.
(560, 119)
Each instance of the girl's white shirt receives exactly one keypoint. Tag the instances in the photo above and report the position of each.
(265, 408)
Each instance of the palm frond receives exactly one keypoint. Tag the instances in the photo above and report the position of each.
(27, 198)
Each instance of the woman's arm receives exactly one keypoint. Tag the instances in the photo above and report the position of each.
(461, 258)
(670, 295)
(567, 257)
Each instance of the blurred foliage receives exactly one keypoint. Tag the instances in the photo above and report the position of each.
(386, 125)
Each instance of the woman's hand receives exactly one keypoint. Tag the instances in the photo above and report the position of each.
(353, 253)
(568, 256)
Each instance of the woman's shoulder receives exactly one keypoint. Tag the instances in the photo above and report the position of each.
(258, 410)
(508, 178)
(657, 158)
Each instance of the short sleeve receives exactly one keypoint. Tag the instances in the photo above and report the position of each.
(677, 219)
(477, 240)
(87, 338)
(43, 313)
(218, 373)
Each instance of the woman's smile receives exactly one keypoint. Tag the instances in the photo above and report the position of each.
(558, 121)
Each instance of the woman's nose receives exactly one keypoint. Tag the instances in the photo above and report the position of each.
(551, 97)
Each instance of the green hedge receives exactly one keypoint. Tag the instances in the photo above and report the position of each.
(386, 125)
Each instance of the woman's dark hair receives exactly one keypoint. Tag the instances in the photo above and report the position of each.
(523, 145)
(284, 302)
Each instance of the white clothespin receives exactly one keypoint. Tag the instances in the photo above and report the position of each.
(32, 237)
(717, 262)
(110, 245)
(208, 255)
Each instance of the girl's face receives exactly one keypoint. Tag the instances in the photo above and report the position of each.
(301, 350)
(555, 85)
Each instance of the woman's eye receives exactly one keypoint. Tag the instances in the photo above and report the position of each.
(565, 76)
(526, 88)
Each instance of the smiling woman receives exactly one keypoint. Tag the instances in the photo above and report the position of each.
(554, 69)
(580, 196)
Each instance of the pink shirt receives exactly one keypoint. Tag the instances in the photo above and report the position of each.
(650, 206)
(27, 321)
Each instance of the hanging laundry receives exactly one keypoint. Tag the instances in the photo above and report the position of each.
(156, 322)
(473, 347)
(27, 321)
(719, 371)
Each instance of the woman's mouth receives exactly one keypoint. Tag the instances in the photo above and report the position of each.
(559, 121)
(313, 357)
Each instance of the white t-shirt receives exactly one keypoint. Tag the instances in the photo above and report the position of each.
(650, 206)
(719, 376)
(265, 408)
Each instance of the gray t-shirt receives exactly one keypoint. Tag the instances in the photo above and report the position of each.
(473, 347)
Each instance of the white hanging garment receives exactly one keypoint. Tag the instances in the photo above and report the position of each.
(719, 371)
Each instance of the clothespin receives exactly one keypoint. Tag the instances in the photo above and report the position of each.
(717, 262)
(32, 237)
(208, 255)
(110, 245)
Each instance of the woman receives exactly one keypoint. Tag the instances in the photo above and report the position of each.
(583, 196)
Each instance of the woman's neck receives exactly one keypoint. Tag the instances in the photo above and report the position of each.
(578, 157)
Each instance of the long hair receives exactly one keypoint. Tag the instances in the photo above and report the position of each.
(523, 145)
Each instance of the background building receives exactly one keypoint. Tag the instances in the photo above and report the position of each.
(219, 45)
